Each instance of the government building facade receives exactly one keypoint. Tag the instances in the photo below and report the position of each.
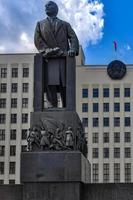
(105, 106)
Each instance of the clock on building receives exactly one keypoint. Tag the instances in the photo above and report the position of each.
(116, 70)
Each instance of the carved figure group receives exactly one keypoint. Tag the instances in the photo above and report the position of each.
(47, 140)
(55, 135)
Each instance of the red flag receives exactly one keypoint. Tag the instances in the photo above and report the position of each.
(115, 45)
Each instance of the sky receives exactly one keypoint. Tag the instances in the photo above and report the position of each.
(97, 24)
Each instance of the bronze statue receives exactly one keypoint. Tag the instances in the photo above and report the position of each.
(55, 39)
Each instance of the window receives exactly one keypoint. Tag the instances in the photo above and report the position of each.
(85, 92)
(95, 138)
(105, 92)
(26, 72)
(106, 152)
(13, 118)
(95, 173)
(23, 148)
(95, 153)
(12, 150)
(95, 92)
(12, 168)
(106, 137)
(116, 121)
(116, 137)
(106, 107)
(116, 92)
(2, 134)
(3, 88)
(127, 172)
(85, 122)
(127, 121)
(25, 87)
(11, 181)
(25, 103)
(24, 134)
(3, 72)
(95, 107)
(116, 152)
(2, 118)
(14, 103)
(24, 118)
(85, 107)
(127, 152)
(105, 172)
(2, 150)
(14, 72)
(127, 107)
(116, 107)
(13, 134)
(106, 121)
(1, 167)
(95, 122)
(116, 172)
(2, 103)
(1, 182)
(14, 87)
(127, 92)
(127, 137)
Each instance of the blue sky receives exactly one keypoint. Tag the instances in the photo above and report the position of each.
(118, 26)
(97, 25)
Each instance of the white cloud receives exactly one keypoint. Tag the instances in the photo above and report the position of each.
(26, 43)
(2, 49)
(128, 47)
(85, 17)
(19, 19)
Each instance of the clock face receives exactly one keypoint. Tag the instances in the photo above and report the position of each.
(116, 70)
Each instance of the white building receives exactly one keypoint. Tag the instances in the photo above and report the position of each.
(104, 105)
(16, 103)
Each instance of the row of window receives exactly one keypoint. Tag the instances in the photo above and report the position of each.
(13, 119)
(14, 87)
(12, 150)
(106, 92)
(11, 181)
(14, 103)
(13, 134)
(106, 152)
(106, 122)
(127, 107)
(106, 137)
(106, 172)
(12, 166)
(3, 72)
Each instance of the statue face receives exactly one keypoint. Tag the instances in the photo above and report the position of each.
(51, 9)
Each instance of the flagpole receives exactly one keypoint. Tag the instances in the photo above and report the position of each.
(115, 49)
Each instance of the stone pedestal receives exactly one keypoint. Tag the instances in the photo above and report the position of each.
(52, 191)
(56, 118)
(54, 167)
(57, 130)
(67, 191)
(54, 176)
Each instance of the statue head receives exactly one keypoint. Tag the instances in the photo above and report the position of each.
(70, 128)
(51, 9)
(43, 132)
